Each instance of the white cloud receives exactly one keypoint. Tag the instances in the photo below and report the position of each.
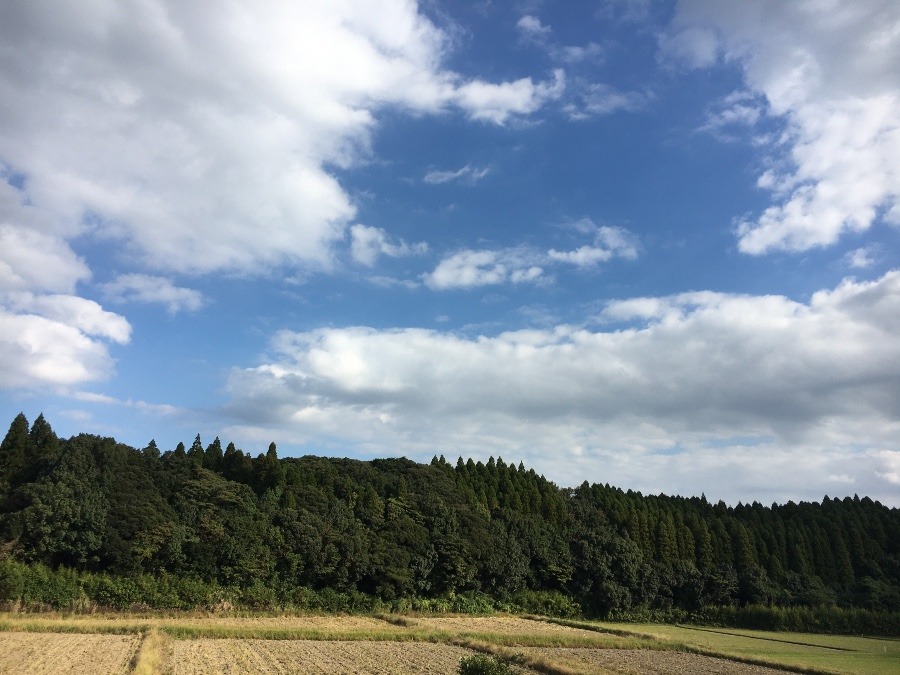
(48, 337)
(734, 116)
(162, 409)
(601, 99)
(863, 258)
(32, 260)
(202, 138)
(531, 27)
(469, 269)
(532, 30)
(829, 72)
(467, 174)
(608, 243)
(743, 386)
(890, 461)
(83, 315)
(499, 102)
(55, 340)
(473, 268)
(578, 53)
(146, 288)
(367, 243)
(584, 256)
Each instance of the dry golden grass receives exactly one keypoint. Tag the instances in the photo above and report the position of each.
(499, 625)
(154, 655)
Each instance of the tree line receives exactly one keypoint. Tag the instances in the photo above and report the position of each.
(395, 530)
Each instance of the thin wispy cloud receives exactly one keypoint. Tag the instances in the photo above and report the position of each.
(151, 289)
(467, 174)
(368, 243)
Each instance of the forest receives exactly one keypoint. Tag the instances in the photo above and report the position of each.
(87, 519)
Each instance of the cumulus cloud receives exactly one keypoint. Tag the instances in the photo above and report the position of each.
(367, 243)
(863, 258)
(531, 28)
(56, 340)
(467, 174)
(609, 242)
(829, 73)
(499, 102)
(468, 269)
(48, 337)
(203, 140)
(755, 383)
(145, 288)
(473, 268)
(37, 261)
(196, 141)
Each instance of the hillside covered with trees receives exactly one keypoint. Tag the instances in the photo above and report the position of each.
(140, 526)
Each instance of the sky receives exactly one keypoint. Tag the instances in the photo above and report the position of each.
(649, 244)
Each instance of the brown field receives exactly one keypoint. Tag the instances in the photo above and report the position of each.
(59, 653)
(204, 657)
(198, 644)
(644, 661)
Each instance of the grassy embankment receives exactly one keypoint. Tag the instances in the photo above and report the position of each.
(803, 652)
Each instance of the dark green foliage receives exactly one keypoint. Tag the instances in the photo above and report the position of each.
(62, 514)
(479, 664)
(89, 520)
(15, 451)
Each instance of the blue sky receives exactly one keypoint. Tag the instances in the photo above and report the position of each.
(652, 244)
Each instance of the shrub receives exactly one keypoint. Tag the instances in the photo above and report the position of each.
(12, 580)
(59, 589)
(115, 592)
(548, 603)
(482, 665)
(258, 596)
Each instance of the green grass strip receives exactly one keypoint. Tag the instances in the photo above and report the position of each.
(764, 638)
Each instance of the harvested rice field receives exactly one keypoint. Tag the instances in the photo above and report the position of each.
(198, 644)
(645, 662)
(64, 653)
(204, 657)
